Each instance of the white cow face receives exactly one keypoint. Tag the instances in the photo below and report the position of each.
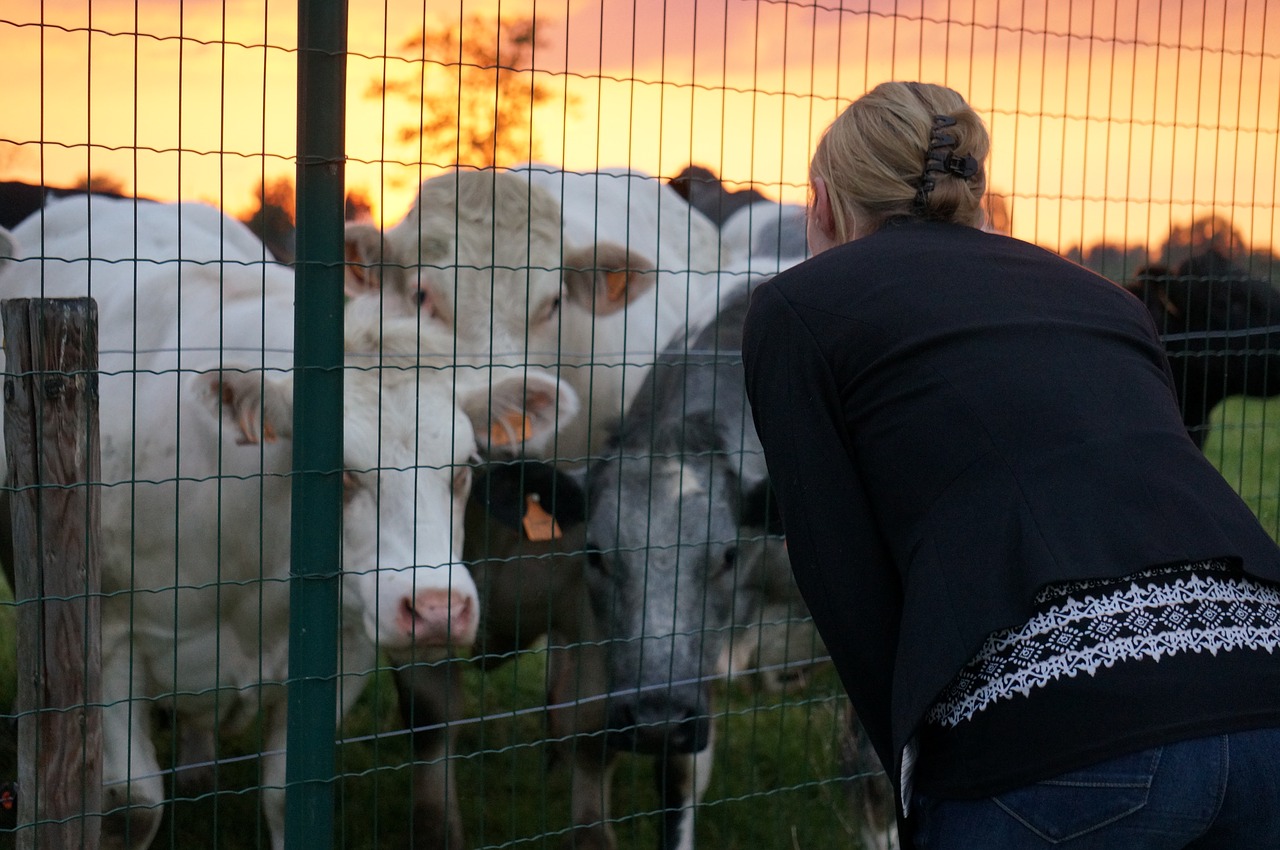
(481, 255)
(406, 479)
(405, 484)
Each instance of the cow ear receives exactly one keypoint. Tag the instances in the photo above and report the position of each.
(256, 407)
(606, 277)
(518, 411)
(532, 497)
(365, 246)
(760, 509)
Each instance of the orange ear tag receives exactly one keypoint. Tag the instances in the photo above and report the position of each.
(511, 428)
(616, 285)
(539, 525)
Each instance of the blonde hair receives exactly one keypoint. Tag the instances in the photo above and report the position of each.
(873, 159)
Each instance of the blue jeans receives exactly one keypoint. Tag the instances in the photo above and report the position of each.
(1203, 794)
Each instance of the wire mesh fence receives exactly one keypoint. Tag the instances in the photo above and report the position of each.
(431, 510)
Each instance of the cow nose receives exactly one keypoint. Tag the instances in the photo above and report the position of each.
(439, 617)
(656, 723)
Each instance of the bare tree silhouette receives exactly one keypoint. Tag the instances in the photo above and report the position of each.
(1207, 233)
(99, 184)
(474, 83)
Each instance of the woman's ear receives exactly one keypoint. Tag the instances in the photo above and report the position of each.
(821, 226)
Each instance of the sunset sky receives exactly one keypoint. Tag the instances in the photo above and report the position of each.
(1109, 120)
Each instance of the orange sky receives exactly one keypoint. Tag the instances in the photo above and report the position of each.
(1108, 120)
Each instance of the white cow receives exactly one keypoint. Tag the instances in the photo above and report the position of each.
(589, 274)
(196, 401)
(765, 237)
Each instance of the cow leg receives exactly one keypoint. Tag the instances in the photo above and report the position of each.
(132, 792)
(431, 697)
(273, 772)
(682, 780)
(869, 790)
(591, 798)
(575, 671)
(195, 756)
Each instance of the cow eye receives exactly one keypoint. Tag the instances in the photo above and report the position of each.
(595, 560)
(730, 559)
(426, 304)
(551, 309)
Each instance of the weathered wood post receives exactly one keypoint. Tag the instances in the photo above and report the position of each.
(51, 436)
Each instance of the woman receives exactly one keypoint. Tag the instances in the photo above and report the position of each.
(1055, 619)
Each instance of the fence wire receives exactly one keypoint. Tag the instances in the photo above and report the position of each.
(381, 567)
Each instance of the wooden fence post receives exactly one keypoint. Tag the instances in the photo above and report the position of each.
(51, 436)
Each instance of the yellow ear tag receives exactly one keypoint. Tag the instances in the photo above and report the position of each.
(616, 285)
(539, 525)
(513, 427)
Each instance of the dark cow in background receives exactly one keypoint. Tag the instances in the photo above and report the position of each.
(758, 236)
(705, 193)
(1221, 329)
(18, 200)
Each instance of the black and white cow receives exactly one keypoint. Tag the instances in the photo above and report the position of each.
(1221, 329)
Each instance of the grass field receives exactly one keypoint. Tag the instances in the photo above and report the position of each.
(1244, 443)
(774, 782)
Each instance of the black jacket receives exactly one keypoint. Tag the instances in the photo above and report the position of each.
(953, 419)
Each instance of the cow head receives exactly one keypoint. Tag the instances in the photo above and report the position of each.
(410, 437)
(1218, 327)
(482, 256)
(677, 561)
(663, 527)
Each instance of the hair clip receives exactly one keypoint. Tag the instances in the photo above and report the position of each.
(921, 202)
(939, 139)
(937, 162)
(963, 167)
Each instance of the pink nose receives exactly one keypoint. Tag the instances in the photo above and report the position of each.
(439, 617)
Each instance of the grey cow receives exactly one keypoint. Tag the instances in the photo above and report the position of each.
(651, 576)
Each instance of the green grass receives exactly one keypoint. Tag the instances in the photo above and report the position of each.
(774, 779)
(1244, 444)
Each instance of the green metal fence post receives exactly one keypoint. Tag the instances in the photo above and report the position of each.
(317, 427)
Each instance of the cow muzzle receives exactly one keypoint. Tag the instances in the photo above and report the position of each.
(660, 722)
(438, 617)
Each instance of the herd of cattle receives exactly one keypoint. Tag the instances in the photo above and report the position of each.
(545, 437)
